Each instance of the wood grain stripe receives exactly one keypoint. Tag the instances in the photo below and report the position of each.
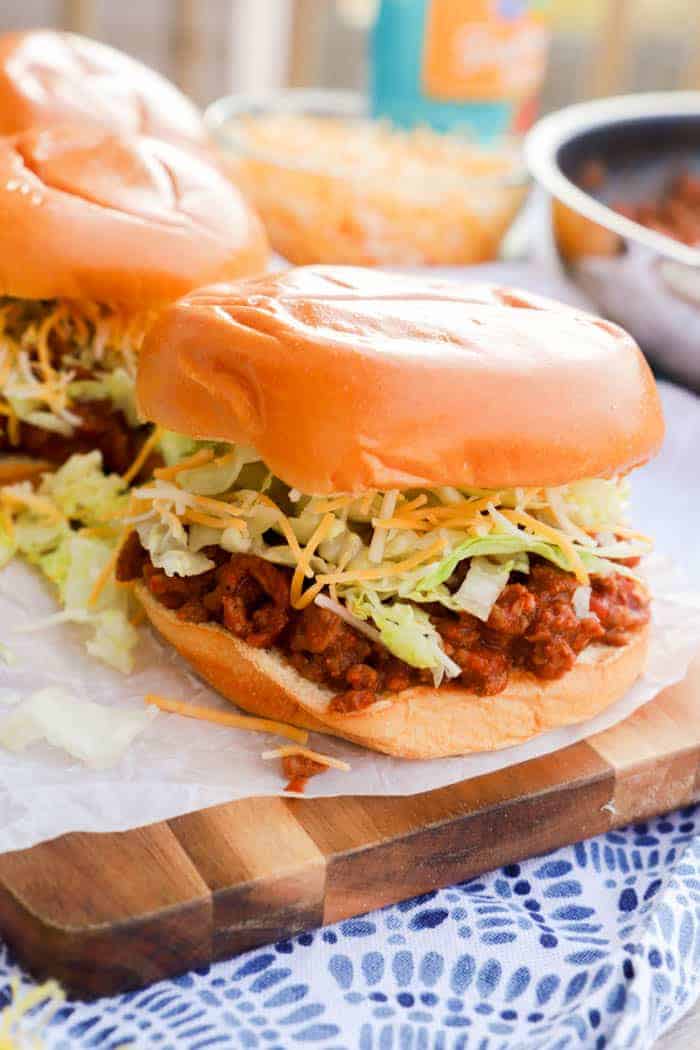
(385, 850)
(102, 912)
(266, 874)
(656, 753)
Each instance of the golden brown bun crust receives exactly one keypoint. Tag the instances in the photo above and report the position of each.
(127, 220)
(417, 723)
(347, 379)
(21, 468)
(49, 78)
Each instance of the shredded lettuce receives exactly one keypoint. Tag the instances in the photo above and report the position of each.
(114, 640)
(427, 582)
(7, 656)
(116, 386)
(522, 543)
(73, 566)
(92, 340)
(72, 561)
(201, 536)
(167, 543)
(92, 733)
(482, 586)
(362, 548)
(87, 556)
(235, 542)
(41, 543)
(8, 547)
(407, 632)
(213, 478)
(596, 502)
(114, 637)
(182, 563)
(174, 447)
(52, 561)
(582, 602)
(83, 492)
(36, 537)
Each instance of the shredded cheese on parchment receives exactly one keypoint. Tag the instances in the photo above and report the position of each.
(228, 718)
(324, 760)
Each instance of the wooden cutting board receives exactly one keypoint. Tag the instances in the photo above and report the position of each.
(104, 913)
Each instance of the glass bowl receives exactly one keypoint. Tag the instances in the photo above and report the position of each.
(333, 186)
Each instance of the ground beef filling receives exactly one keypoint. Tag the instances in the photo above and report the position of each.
(101, 427)
(533, 625)
(298, 769)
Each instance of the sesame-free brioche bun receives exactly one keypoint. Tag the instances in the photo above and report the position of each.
(124, 220)
(419, 722)
(346, 379)
(49, 78)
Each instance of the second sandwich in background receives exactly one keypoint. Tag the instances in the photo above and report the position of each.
(49, 78)
(405, 525)
(97, 232)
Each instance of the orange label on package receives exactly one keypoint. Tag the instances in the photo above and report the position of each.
(483, 50)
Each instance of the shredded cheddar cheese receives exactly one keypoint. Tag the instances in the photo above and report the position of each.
(420, 518)
(99, 531)
(359, 191)
(47, 347)
(631, 534)
(377, 559)
(42, 343)
(303, 567)
(228, 718)
(106, 571)
(213, 522)
(15, 496)
(283, 522)
(288, 750)
(149, 445)
(376, 547)
(5, 366)
(331, 505)
(6, 522)
(412, 562)
(414, 504)
(197, 459)
(538, 528)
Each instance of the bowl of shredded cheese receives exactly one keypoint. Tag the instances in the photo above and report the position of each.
(334, 186)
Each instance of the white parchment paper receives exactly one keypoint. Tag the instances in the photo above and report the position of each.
(179, 765)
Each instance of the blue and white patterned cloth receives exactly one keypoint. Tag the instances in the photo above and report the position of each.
(592, 946)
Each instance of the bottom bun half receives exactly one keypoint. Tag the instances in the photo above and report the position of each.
(21, 468)
(417, 723)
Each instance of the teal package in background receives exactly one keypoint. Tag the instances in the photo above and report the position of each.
(473, 66)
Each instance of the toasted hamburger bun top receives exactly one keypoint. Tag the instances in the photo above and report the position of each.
(128, 220)
(347, 379)
(47, 78)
